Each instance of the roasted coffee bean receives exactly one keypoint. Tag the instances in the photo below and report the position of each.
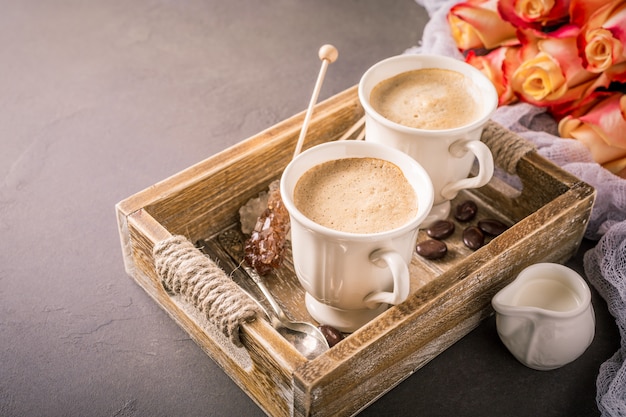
(432, 249)
(492, 227)
(332, 335)
(440, 229)
(466, 211)
(473, 237)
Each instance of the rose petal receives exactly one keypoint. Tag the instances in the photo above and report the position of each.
(539, 79)
(617, 167)
(616, 73)
(477, 24)
(554, 75)
(602, 37)
(602, 129)
(559, 44)
(464, 34)
(599, 49)
(609, 119)
(581, 10)
(498, 65)
(601, 152)
(578, 106)
(535, 14)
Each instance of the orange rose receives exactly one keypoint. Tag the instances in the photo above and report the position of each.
(551, 72)
(568, 56)
(534, 14)
(498, 65)
(602, 38)
(539, 80)
(476, 24)
(602, 129)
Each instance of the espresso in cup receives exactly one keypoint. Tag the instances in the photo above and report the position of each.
(356, 195)
(427, 98)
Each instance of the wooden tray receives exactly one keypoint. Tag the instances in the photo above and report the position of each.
(449, 297)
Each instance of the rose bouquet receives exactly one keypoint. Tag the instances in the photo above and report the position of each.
(568, 56)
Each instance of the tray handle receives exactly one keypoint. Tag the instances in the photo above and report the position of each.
(507, 147)
(184, 270)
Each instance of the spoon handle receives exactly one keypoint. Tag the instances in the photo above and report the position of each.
(266, 292)
(233, 246)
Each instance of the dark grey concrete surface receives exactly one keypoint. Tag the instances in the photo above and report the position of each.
(99, 100)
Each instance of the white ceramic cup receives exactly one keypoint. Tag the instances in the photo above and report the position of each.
(447, 154)
(545, 316)
(350, 278)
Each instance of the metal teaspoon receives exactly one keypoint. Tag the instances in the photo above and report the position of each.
(305, 337)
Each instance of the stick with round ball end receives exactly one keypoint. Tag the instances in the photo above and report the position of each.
(265, 248)
(328, 54)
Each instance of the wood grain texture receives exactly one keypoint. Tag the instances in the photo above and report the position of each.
(547, 213)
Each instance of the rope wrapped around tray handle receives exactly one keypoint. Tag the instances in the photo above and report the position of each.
(184, 270)
(507, 147)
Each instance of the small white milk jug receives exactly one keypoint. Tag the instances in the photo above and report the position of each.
(545, 316)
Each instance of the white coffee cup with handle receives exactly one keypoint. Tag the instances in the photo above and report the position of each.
(449, 153)
(351, 277)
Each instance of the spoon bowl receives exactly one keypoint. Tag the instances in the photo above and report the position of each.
(304, 336)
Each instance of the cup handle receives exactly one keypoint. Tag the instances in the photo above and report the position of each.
(400, 274)
(485, 167)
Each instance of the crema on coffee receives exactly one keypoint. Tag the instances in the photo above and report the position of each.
(429, 98)
(356, 195)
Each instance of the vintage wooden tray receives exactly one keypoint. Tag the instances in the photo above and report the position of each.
(449, 297)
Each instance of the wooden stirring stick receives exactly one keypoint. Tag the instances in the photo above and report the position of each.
(328, 54)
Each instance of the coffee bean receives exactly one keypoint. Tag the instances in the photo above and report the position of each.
(466, 211)
(432, 249)
(492, 227)
(440, 229)
(332, 335)
(473, 237)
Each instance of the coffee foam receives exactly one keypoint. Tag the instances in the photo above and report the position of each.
(356, 195)
(429, 98)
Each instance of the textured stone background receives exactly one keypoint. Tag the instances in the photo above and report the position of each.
(99, 100)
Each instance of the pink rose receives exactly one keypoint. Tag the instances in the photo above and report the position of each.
(603, 36)
(534, 14)
(602, 129)
(476, 24)
(498, 65)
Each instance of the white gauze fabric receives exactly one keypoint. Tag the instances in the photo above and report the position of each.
(605, 265)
